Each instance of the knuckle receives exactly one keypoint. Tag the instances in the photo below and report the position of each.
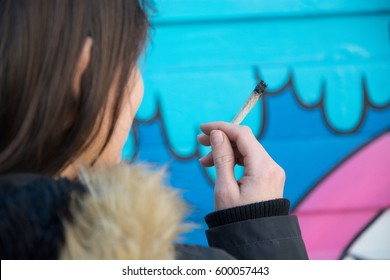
(246, 129)
(281, 174)
(224, 160)
(275, 173)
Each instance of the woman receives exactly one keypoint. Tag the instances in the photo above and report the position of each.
(69, 90)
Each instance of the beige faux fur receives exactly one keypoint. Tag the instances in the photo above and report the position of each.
(128, 214)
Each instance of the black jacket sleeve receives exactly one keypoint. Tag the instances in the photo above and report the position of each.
(261, 230)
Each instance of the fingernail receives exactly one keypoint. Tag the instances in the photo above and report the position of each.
(216, 138)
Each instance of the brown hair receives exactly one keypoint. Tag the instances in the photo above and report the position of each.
(43, 122)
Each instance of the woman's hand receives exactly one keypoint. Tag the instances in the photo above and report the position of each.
(233, 144)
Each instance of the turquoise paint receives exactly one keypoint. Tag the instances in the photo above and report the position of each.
(129, 149)
(271, 42)
(197, 10)
(378, 84)
(337, 51)
(308, 82)
(344, 98)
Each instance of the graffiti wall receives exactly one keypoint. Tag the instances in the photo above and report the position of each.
(325, 117)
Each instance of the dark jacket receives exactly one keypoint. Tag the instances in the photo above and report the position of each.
(123, 212)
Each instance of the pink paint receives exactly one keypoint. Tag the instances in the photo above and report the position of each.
(327, 235)
(344, 202)
(362, 182)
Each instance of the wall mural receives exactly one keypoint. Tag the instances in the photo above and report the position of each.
(325, 117)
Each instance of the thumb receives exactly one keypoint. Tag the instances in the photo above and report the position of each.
(224, 161)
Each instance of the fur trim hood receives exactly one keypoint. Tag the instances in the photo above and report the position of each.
(119, 212)
(128, 214)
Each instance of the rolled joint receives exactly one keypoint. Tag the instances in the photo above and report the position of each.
(260, 88)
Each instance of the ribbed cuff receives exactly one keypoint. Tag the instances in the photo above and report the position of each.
(276, 207)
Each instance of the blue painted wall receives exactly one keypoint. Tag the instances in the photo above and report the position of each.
(327, 64)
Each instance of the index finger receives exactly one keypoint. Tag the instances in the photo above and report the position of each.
(241, 135)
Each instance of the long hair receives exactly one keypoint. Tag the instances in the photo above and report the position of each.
(44, 123)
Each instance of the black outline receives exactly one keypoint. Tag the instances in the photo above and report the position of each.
(336, 166)
(321, 104)
(158, 117)
(373, 220)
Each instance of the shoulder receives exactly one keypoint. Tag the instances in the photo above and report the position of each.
(33, 209)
